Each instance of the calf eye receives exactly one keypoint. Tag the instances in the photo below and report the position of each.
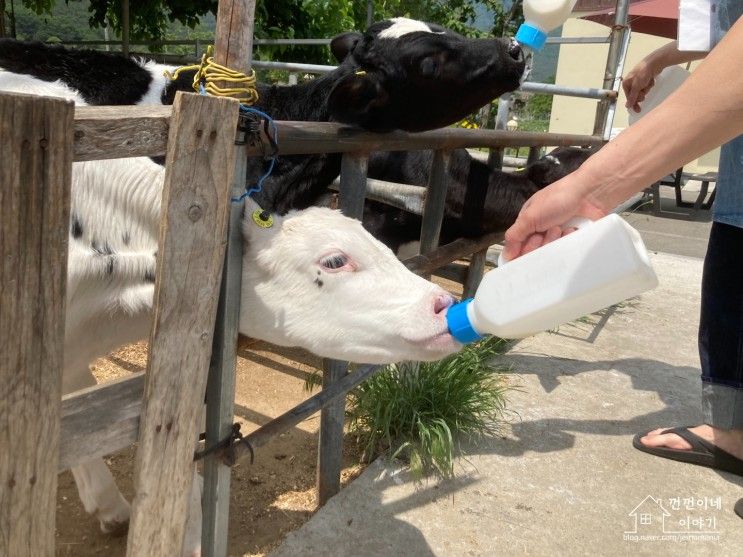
(334, 262)
(428, 67)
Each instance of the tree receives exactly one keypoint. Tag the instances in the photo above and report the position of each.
(38, 6)
(149, 18)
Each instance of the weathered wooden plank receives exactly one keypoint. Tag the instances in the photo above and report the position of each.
(201, 162)
(330, 439)
(352, 184)
(433, 208)
(100, 420)
(403, 196)
(426, 263)
(299, 413)
(35, 173)
(320, 137)
(233, 48)
(475, 272)
(109, 132)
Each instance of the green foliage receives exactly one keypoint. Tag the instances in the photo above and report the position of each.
(149, 19)
(191, 19)
(539, 106)
(300, 19)
(423, 411)
(65, 21)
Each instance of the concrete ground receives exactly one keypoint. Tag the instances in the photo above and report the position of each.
(564, 478)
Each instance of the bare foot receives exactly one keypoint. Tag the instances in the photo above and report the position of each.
(729, 440)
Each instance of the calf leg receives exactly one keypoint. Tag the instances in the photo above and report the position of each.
(95, 484)
(100, 496)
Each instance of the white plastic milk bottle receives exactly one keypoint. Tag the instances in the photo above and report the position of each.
(600, 264)
(541, 17)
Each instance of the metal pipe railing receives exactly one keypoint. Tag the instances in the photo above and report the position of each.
(528, 86)
(578, 40)
(581, 92)
(401, 196)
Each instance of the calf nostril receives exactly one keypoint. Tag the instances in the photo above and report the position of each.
(515, 51)
(441, 303)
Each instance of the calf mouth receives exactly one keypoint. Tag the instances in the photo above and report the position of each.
(441, 342)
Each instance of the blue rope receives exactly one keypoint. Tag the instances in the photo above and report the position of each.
(259, 185)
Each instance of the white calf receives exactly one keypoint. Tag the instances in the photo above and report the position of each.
(314, 279)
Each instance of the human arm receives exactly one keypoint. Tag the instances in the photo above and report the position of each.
(706, 111)
(641, 78)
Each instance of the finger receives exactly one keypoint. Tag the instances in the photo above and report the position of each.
(552, 234)
(511, 250)
(568, 230)
(627, 85)
(521, 229)
(534, 241)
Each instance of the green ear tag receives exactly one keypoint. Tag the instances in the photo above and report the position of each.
(262, 218)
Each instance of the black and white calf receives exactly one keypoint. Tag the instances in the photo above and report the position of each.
(399, 74)
(500, 194)
(315, 279)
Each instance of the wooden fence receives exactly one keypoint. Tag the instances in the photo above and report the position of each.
(40, 142)
(40, 139)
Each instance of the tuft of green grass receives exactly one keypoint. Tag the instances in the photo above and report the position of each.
(423, 411)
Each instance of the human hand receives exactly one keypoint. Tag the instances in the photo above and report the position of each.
(543, 217)
(638, 82)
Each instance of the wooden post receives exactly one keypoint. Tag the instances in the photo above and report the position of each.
(201, 160)
(35, 172)
(433, 210)
(475, 271)
(125, 27)
(234, 49)
(330, 442)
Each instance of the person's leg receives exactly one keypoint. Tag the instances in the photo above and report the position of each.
(720, 347)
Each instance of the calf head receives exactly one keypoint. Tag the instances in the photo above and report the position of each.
(417, 76)
(555, 166)
(317, 279)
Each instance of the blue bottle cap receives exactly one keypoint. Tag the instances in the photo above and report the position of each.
(459, 324)
(530, 36)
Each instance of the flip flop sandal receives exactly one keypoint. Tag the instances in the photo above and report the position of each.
(702, 453)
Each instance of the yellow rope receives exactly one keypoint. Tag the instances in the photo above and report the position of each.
(208, 72)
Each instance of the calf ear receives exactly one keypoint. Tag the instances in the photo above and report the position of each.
(354, 96)
(342, 45)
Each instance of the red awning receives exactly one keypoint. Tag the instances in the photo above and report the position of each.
(654, 17)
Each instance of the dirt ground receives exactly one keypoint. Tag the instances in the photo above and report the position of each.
(269, 498)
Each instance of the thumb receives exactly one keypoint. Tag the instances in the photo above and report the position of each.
(519, 232)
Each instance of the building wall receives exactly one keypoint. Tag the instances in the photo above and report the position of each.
(583, 66)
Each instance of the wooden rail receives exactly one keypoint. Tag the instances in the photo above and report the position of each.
(146, 132)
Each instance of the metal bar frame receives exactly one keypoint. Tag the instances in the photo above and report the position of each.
(612, 77)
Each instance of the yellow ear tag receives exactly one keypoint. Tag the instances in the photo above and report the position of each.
(520, 169)
(262, 218)
(360, 72)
